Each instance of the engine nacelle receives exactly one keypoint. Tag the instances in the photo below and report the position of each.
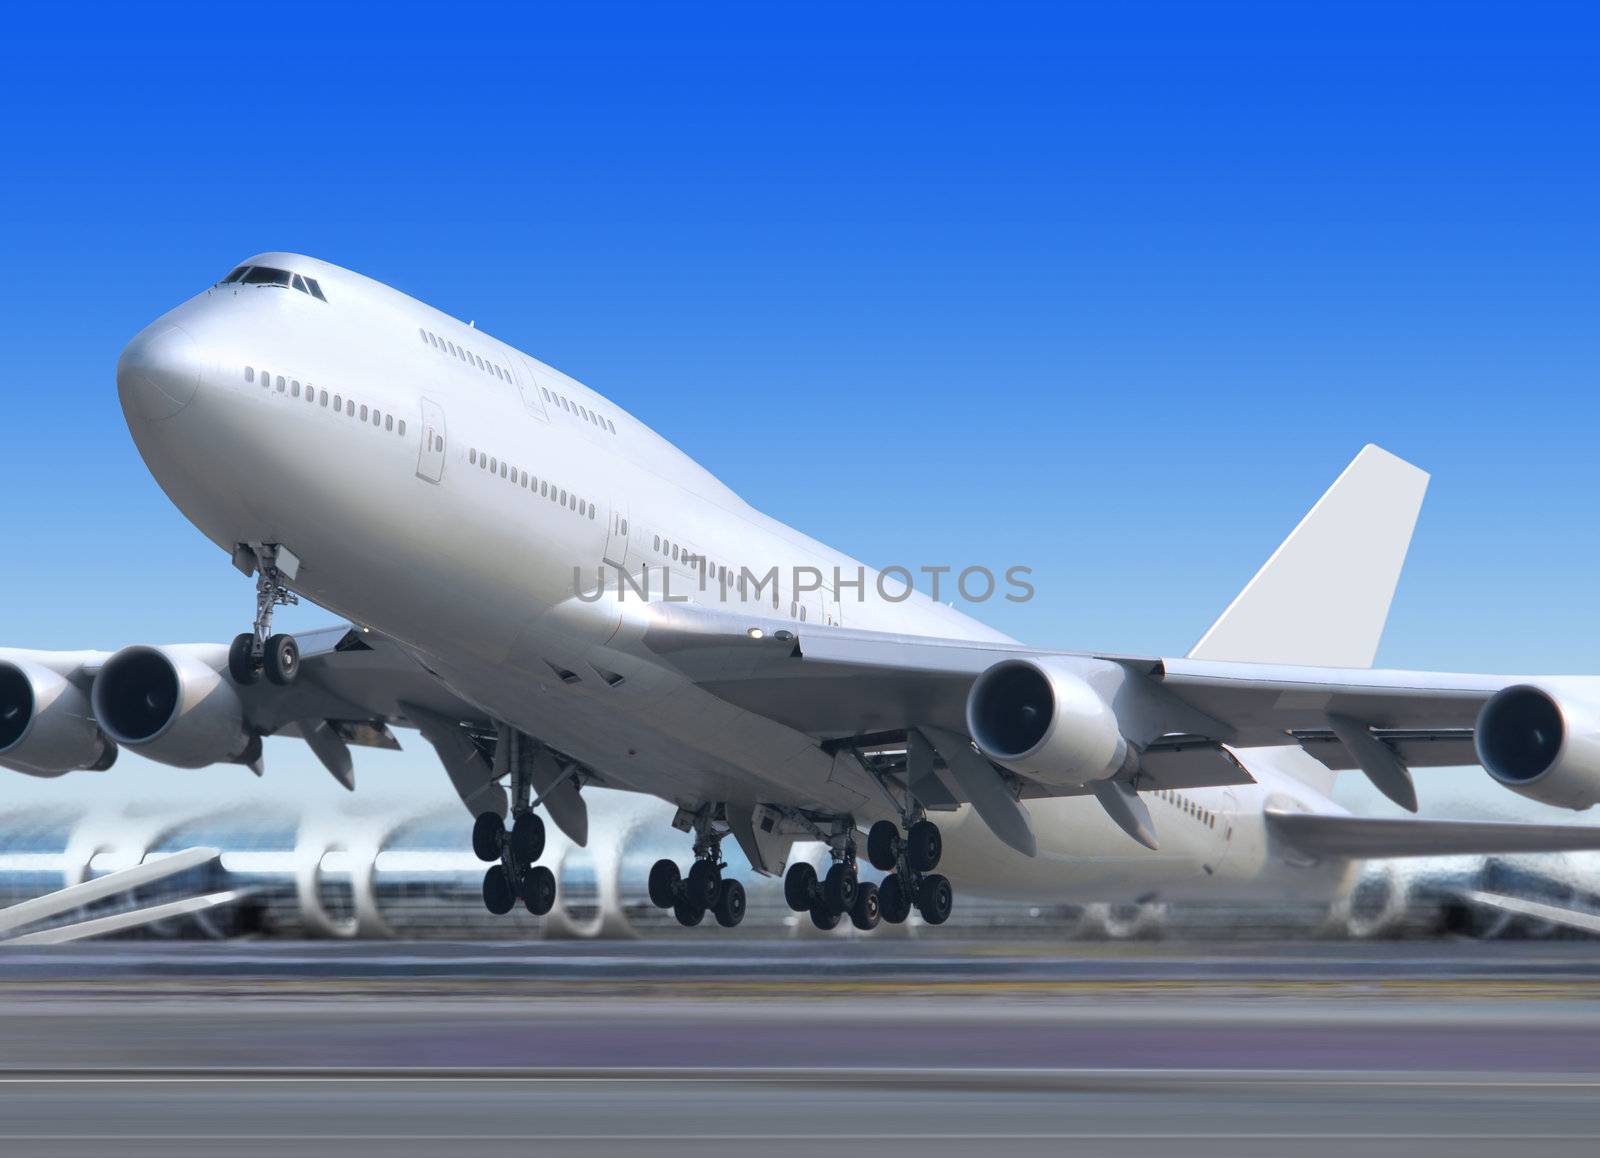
(46, 727)
(1042, 719)
(1542, 744)
(174, 705)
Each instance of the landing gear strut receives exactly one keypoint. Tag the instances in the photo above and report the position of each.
(259, 650)
(909, 860)
(705, 889)
(838, 893)
(518, 847)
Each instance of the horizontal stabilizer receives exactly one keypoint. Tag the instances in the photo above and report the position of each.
(1361, 837)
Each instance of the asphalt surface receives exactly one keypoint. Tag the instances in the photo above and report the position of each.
(788, 1047)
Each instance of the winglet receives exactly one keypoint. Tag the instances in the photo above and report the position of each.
(1323, 597)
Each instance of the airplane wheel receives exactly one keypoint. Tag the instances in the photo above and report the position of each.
(924, 846)
(703, 883)
(936, 899)
(539, 890)
(688, 915)
(487, 833)
(800, 886)
(527, 839)
(824, 918)
(839, 888)
(883, 845)
(498, 895)
(242, 660)
(281, 660)
(894, 905)
(865, 913)
(729, 909)
(664, 881)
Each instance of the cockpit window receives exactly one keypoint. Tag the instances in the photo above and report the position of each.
(266, 275)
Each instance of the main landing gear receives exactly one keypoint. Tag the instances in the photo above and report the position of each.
(516, 876)
(704, 890)
(260, 651)
(838, 893)
(910, 860)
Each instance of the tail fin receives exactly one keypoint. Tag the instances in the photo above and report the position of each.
(1323, 597)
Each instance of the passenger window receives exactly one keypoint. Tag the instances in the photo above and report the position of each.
(249, 373)
(658, 542)
(280, 384)
(494, 464)
(388, 422)
(502, 470)
(563, 498)
(323, 399)
(472, 457)
(338, 402)
(363, 412)
(350, 407)
(524, 480)
(544, 490)
(402, 431)
(438, 442)
(294, 388)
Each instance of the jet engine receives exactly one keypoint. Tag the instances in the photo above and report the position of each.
(174, 705)
(46, 728)
(1042, 718)
(1542, 744)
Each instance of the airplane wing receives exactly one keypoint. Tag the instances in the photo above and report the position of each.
(1362, 837)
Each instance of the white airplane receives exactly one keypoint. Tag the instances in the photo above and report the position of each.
(493, 527)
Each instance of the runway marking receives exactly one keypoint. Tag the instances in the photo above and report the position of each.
(770, 1139)
(830, 1076)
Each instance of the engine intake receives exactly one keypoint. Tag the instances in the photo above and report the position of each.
(173, 705)
(1542, 745)
(1044, 720)
(46, 728)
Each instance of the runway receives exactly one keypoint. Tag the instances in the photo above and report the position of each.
(786, 1046)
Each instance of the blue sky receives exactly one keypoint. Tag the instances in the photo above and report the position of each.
(1113, 291)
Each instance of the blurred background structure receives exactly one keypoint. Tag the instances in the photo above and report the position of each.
(406, 870)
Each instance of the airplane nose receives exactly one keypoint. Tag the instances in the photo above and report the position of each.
(159, 372)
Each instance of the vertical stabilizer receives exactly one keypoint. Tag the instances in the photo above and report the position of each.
(1323, 597)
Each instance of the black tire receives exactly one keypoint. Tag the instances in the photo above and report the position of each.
(242, 659)
(839, 888)
(702, 884)
(527, 840)
(894, 905)
(281, 660)
(498, 895)
(539, 890)
(924, 846)
(487, 832)
(664, 881)
(825, 918)
(688, 915)
(883, 845)
(729, 908)
(865, 913)
(935, 899)
(800, 886)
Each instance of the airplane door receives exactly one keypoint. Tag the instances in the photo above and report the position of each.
(616, 536)
(528, 387)
(430, 459)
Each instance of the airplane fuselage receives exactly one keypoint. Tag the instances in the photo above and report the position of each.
(461, 498)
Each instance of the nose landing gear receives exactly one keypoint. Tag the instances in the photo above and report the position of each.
(260, 651)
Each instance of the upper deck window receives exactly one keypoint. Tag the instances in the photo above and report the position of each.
(266, 275)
